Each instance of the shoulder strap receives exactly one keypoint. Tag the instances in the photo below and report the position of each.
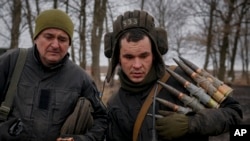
(146, 105)
(7, 103)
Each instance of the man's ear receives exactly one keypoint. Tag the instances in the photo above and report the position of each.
(108, 44)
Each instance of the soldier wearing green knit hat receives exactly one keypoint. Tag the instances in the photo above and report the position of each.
(55, 99)
(56, 27)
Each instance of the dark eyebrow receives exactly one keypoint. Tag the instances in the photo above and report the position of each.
(144, 53)
(47, 33)
(127, 55)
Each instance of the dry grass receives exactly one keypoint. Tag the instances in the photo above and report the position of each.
(109, 91)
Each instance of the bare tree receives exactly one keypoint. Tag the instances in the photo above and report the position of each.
(16, 20)
(55, 5)
(242, 8)
(82, 32)
(5, 23)
(245, 50)
(37, 6)
(210, 34)
(96, 36)
(224, 46)
(29, 18)
(142, 4)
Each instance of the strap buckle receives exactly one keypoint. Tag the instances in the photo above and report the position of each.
(4, 112)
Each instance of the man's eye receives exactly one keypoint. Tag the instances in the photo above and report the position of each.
(144, 56)
(128, 56)
(63, 39)
(48, 36)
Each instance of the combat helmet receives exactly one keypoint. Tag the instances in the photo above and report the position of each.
(135, 19)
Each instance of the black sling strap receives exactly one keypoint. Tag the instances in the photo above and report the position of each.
(7, 103)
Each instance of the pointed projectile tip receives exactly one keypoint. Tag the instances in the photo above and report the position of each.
(182, 58)
(175, 60)
(187, 67)
(178, 77)
(179, 63)
(189, 63)
(185, 60)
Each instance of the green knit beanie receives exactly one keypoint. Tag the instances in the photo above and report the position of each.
(54, 18)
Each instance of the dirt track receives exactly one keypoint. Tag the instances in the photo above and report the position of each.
(242, 94)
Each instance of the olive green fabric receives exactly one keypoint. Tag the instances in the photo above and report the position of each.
(54, 18)
(81, 120)
(172, 125)
(6, 105)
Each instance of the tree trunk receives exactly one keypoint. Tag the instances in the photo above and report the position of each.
(210, 34)
(236, 38)
(245, 55)
(97, 31)
(37, 7)
(29, 19)
(55, 5)
(82, 34)
(16, 20)
(225, 41)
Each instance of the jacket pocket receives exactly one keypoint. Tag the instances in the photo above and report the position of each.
(63, 105)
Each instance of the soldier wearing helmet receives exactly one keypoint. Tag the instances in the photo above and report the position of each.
(136, 46)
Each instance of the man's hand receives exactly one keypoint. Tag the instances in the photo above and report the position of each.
(172, 125)
(71, 137)
(65, 139)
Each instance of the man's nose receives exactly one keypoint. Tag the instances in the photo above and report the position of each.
(137, 63)
(55, 43)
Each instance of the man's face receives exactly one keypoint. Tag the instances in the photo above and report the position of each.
(136, 59)
(52, 45)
